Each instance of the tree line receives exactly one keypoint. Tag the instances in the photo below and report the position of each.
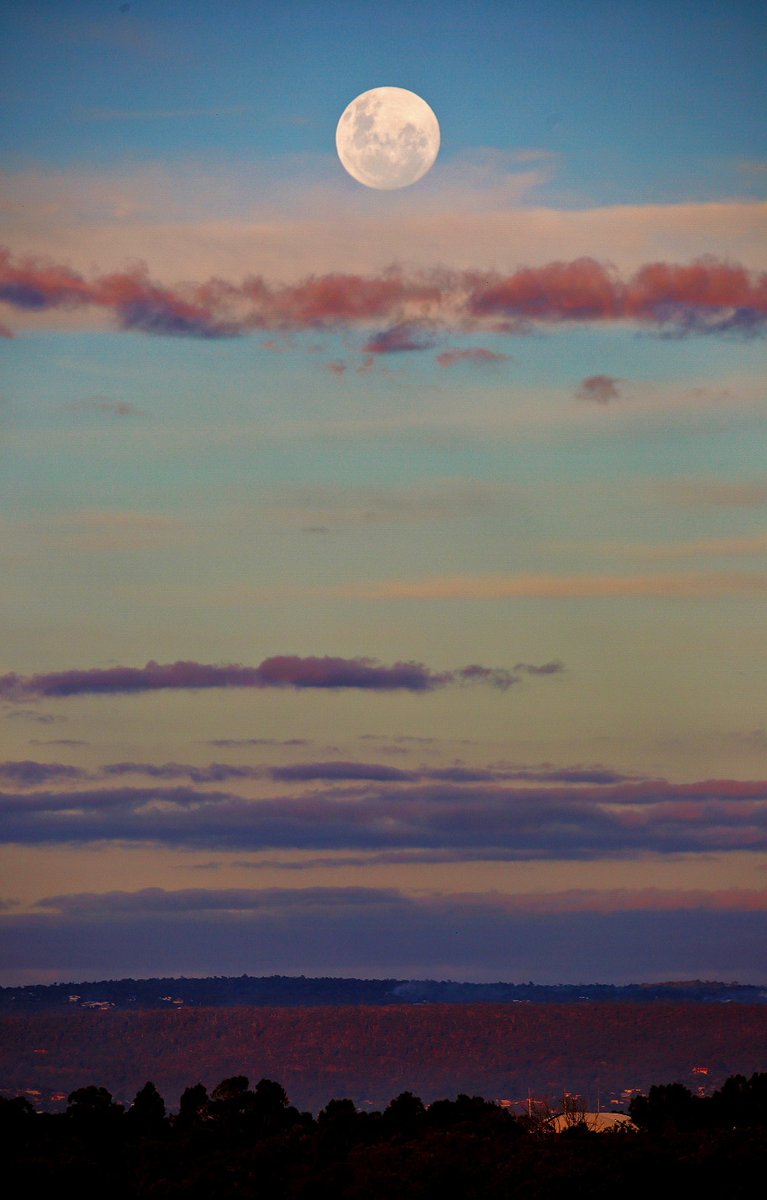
(250, 1143)
(277, 990)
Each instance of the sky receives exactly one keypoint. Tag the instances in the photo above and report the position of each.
(383, 572)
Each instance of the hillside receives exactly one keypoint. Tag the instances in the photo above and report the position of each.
(280, 990)
(372, 1052)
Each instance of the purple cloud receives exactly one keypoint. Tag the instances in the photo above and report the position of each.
(479, 820)
(599, 388)
(399, 338)
(31, 774)
(342, 771)
(159, 900)
(212, 773)
(495, 676)
(281, 671)
(330, 771)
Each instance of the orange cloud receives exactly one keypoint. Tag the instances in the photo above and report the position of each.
(478, 356)
(560, 587)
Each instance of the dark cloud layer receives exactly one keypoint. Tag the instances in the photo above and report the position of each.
(32, 774)
(281, 671)
(158, 901)
(330, 771)
(405, 311)
(364, 931)
(485, 819)
(28, 773)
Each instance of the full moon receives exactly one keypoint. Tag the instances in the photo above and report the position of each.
(387, 138)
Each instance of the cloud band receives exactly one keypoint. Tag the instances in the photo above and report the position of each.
(280, 671)
(401, 312)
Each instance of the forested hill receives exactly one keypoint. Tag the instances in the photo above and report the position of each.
(284, 990)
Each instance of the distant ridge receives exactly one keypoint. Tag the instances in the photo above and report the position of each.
(300, 991)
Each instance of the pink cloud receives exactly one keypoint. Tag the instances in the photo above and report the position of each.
(670, 293)
(704, 296)
(601, 388)
(138, 303)
(478, 356)
(707, 296)
(36, 284)
(338, 299)
(583, 290)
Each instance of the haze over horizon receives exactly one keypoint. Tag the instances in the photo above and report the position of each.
(384, 572)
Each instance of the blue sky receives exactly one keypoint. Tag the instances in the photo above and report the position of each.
(464, 481)
(645, 101)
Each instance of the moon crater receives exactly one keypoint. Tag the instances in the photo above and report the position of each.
(388, 138)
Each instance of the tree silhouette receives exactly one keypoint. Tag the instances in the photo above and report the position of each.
(146, 1116)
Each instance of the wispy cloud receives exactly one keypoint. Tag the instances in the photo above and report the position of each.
(477, 356)
(332, 506)
(28, 773)
(161, 114)
(57, 742)
(228, 743)
(32, 714)
(188, 221)
(723, 547)
(713, 493)
(96, 530)
(159, 900)
(752, 166)
(564, 587)
(210, 773)
(104, 404)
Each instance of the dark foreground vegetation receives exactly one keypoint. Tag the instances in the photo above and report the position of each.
(240, 1143)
